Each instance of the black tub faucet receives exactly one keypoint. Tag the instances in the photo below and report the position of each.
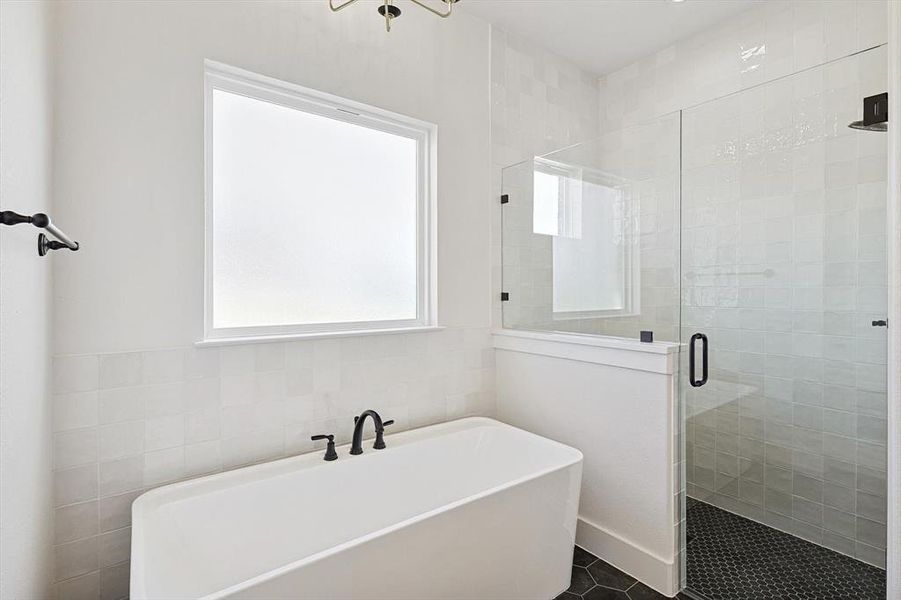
(356, 446)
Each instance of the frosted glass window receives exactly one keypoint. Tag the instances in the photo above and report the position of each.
(589, 271)
(592, 259)
(316, 217)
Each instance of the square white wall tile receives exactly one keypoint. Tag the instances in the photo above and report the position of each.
(182, 413)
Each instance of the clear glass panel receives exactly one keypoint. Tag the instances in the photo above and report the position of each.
(590, 236)
(340, 234)
(784, 270)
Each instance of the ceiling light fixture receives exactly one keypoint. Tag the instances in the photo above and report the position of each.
(391, 12)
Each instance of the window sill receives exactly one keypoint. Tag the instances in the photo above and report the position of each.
(319, 335)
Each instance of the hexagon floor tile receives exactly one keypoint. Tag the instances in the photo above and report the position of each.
(733, 558)
(594, 579)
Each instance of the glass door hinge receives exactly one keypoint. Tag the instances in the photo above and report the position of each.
(505, 198)
(505, 296)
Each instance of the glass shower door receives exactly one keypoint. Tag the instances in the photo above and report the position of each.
(783, 274)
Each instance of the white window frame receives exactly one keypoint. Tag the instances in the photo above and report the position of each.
(566, 204)
(218, 76)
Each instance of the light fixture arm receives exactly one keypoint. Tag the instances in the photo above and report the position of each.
(443, 15)
(389, 11)
(334, 8)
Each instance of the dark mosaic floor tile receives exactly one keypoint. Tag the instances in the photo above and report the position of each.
(733, 558)
(609, 576)
(605, 593)
(640, 591)
(581, 581)
(582, 557)
(567, 596)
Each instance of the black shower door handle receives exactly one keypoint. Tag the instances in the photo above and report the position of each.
(691, 360)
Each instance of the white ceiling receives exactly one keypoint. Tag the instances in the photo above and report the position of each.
(604, 35)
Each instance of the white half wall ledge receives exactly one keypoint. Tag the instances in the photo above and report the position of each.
(625, 353)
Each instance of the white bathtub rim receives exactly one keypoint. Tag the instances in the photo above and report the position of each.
(138, 571)
(401, 438)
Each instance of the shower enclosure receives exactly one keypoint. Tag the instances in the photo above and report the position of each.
(591, 237)
(751, 229)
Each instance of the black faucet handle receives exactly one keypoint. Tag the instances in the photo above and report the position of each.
(330, 453)
(379, 435)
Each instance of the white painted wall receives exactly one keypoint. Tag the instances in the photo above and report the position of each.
(139, 405)
(25, 467)
(129, 144)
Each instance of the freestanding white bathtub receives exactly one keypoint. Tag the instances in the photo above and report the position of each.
(467, 509)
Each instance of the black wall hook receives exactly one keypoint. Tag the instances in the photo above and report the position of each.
(45, 244)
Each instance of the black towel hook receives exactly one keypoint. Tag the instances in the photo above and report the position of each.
(8, 217)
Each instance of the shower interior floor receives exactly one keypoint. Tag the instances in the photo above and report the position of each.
(734, 558)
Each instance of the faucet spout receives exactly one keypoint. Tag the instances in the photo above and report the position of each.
(356, 446)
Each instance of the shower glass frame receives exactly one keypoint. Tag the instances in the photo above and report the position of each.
(811, 300)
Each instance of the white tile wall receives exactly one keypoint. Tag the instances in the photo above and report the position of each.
(766, 42)
(131, 421)
(540, 102)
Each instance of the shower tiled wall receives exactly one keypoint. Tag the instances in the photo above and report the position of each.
(768, 41)
(127, 422)
(540, 102)
(784, 268)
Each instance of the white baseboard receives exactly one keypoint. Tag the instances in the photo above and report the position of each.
(651, 570)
